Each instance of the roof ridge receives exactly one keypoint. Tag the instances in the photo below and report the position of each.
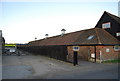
(97, 36)
(116, 18)
(79, 37)
(112, 14)
(63, 35)
(110, 35)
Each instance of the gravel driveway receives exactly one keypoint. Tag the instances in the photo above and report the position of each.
(40, 67)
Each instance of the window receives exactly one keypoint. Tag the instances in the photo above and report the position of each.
(107, 50)
(76, 48)
(118, 34)
(106, 25)
(117, 48)
(90, 37)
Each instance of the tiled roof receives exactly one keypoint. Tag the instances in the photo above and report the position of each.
(84, 37)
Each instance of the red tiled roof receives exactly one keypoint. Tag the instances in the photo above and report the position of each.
(84, 37)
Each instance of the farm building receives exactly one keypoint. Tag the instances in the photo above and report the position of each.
(94, 44)
(110, 23)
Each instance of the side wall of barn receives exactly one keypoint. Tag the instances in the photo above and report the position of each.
(107, 53)
(56, 52)
(87, 53)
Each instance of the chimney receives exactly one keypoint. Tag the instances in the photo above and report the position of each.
(46, 35)
(63, 32)
(35, 38)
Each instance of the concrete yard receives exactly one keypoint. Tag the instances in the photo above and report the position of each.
(40, 67)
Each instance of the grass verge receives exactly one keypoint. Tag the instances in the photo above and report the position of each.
(112, 61)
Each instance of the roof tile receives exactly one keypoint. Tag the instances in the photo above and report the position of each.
(100, 36)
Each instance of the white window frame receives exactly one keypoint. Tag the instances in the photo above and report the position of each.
(118, 48)
(74, 48)
(106, 25)
(107, 50)
(118, 34)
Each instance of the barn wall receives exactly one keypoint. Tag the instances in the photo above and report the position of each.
(115, 26)
(57, 52)
(83, 53)
(108, 52)
(86, 52)
(65, 53)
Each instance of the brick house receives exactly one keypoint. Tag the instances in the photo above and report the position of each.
(110, 23)
(94, 44)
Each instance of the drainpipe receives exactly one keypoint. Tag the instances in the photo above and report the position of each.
(100, 56)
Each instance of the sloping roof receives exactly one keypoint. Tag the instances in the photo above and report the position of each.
(84, 37)
(116, 18)
(100, 37)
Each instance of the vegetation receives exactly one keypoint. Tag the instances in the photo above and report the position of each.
(112, 61)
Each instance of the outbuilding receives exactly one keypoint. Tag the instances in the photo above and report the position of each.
(94, 44)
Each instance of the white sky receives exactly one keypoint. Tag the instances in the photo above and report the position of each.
(23, 21)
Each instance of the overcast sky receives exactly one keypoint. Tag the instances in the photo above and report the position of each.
(23, 21)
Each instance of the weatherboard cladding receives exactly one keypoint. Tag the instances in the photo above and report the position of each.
(116, 18)
(114, 23)
(100, 36)
(108, 17)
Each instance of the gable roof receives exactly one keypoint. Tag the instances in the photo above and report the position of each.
(116, 18)
(85, 37)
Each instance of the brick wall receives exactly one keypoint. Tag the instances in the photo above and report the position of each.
(82, 53)
(107, 53)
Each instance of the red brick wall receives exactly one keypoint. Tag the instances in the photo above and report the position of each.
(82, 53)
(108, 55)
(85, 53)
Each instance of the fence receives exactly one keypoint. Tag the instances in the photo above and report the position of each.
(57, 52)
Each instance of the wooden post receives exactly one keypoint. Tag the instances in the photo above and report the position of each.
(95, 52)
(75, 54)
(75, 60)
(100, 56)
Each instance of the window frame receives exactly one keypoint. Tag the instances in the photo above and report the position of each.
(118, 34)
(118, 48)
(90, 37)
(106, 27)
(74, 48)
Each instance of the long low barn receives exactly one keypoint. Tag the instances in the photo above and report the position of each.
(94, 44)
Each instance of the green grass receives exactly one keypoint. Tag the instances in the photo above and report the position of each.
(112, 61)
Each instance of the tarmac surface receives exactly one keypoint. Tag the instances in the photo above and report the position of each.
(40, 67)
